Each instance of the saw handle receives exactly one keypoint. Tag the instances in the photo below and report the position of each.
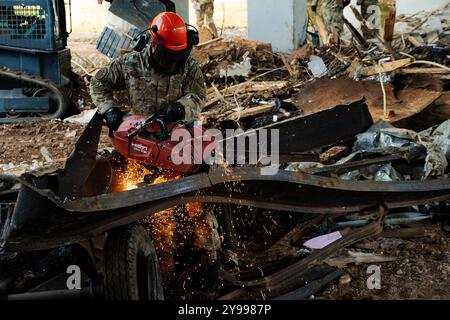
(149, 121)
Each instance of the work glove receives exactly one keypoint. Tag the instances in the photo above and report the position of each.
(113, 118)
(175, 112)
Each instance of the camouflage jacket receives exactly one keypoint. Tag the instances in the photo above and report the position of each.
(202, 2)
(149, 90)
(331, 3)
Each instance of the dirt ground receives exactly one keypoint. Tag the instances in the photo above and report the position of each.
(24, 144)
(421, 271)
(28, 146)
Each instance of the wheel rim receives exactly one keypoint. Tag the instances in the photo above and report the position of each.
(149, 282)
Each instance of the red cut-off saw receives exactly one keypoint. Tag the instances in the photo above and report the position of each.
(148, 141)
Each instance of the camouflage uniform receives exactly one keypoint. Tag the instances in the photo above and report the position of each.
(163, 228)
(206, 12)
(150, 91)
(332, 12)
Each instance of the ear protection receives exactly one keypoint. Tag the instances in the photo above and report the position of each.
(193, 35)
(143, 39)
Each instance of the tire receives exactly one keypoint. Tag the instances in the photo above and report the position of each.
(131, 266)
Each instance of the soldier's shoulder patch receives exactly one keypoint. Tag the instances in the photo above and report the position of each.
(101, 74)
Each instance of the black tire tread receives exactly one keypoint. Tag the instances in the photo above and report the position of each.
(121, 250)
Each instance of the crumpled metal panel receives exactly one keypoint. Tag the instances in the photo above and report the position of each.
(433, 146)
(140, 13)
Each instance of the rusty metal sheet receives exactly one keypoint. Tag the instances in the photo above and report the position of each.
(305, 133)
(49, 226)
(40, 220)
(287, 279)
(325, 93)
(123, 200)
(311, 287)
(219, 175)
(82, 161)
(293, 207)
(139, 196)
(354, 165)
(140, 12)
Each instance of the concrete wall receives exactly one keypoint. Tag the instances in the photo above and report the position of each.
(183, 8)
(88, 16)
(281, 22)
(413, 6)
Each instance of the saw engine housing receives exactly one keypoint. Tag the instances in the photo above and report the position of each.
(151, 141)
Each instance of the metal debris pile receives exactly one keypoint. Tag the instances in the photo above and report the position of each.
(426, 153)
(403, 77)
(400, 74)
(278, 254)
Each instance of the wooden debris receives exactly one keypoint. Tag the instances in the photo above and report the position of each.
(287, 65)
(207, 43)
(372, 33)
(251, 112)
(357, 258)
(218, 94)
(331, 155)
(385, 67)
(415, 42)
(324, 93)
(300, 54)
(323, 30)
(253, 86)
(356, 34)
(345, 279)
(424, 71)
(389, 23)
(354, 71)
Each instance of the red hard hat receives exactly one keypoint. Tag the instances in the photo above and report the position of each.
(169, 30)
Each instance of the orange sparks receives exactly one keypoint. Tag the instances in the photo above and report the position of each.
(133, 175)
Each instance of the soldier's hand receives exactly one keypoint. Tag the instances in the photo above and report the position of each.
(175, 112)
(113, 118)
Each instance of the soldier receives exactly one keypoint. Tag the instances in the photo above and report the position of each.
(162, 79)
(332, 12)
(204, 10)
